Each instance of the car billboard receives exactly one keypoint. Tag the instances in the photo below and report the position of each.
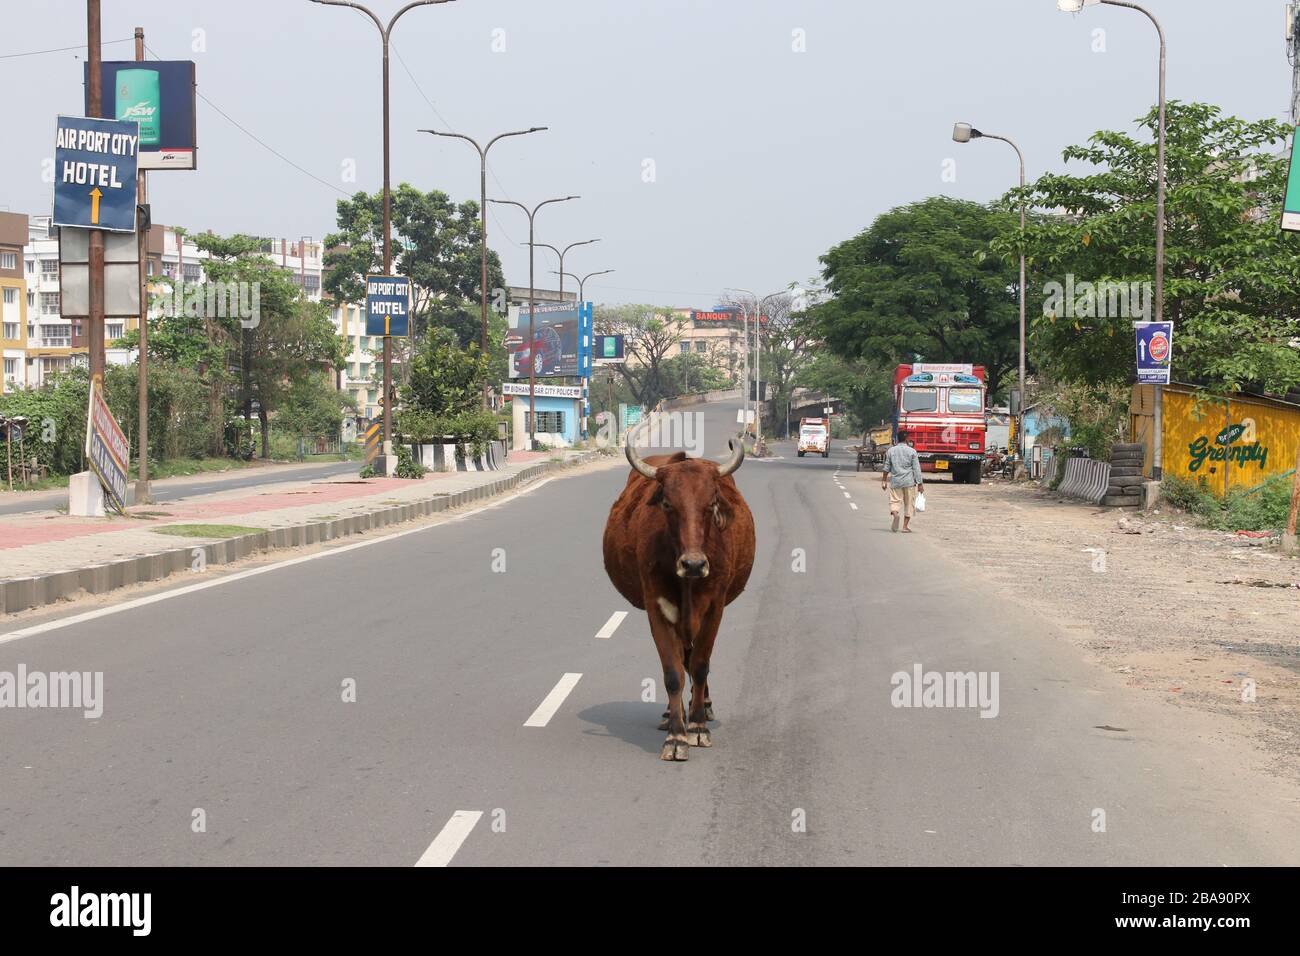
(561, 343)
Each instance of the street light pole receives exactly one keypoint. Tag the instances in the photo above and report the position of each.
(582, 282)
(483, 226)
(758, 366)
(561, 254)
(384, 33)
(532, 329)
(744, 349)
(964, 133)
(1074, 6)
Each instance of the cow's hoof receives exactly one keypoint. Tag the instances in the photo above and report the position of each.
(697, 735)
(675, 748)
(663, 724)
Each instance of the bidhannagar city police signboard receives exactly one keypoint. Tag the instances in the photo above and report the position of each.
(94, 173)
(388, 304)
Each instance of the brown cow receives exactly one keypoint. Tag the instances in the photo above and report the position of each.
(679, 544)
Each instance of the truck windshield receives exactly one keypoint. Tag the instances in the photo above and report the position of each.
(964, 400)
(920, 399)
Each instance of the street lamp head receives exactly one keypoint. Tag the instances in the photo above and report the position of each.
(1074, 6)
(964, 132)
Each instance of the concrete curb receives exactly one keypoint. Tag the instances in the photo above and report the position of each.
(22, 594)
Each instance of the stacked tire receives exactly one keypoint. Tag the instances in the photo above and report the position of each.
(1125, 488)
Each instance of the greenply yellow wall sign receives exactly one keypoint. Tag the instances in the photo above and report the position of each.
(1225, 449)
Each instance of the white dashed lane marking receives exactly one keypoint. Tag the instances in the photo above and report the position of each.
(449, 838)
(612, 624)
(853, 506)
(547, 708)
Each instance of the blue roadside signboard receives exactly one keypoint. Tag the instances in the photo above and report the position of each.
(94, 173)
(388, 305)
(1155, 351)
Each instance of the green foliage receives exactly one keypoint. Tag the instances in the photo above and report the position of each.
(406, 464)
(474, 428)
(1232, 277)
(56, 411)
(921, 284)
(436, 243)
(1261, 509)
(688, 373)
(368, 472)
(865, 387)
(651, 337)
(445, 378)
(312, 406)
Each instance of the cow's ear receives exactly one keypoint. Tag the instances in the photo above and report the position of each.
(657, 498)
(721, 513)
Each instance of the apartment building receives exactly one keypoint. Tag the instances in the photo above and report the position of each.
(13, 300)
(361, 372)
(38, 341)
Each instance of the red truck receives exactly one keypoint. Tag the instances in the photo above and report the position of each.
(941, 407)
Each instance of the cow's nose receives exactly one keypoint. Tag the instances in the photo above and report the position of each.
(692, 567)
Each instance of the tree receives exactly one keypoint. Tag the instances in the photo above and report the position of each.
(920, 284)
(1232, 278)
(650, 336)
(866, 388)
(436, 244)
(445, 379)
(312, 406)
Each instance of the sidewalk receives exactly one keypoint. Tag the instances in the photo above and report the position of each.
(46, 556)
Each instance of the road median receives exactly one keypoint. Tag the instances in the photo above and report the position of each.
(408, 501)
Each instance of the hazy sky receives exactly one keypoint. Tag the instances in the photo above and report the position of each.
(772, 129)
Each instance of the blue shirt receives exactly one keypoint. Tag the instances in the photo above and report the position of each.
(903, 466)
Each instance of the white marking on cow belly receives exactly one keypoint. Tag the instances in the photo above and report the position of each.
(668, 609)
(612, 624)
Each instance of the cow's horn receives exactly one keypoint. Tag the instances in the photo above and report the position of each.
(737, 456)
(634, 459)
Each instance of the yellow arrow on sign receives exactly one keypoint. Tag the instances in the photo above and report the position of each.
(95, 195)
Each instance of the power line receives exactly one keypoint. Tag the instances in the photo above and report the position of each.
(61, 49)
(269, 148)
(451, 129)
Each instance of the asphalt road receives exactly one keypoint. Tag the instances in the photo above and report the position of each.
(229, 700)
(173, 489)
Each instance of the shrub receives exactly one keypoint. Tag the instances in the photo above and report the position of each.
(407, 467)
(1264, 508)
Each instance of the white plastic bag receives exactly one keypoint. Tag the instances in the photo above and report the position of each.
(920, 501)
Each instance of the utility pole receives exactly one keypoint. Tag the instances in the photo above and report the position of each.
(483, 225)
(532, 328)
(95, 321)
(384, 33)
(142, 493)
(1293, 54)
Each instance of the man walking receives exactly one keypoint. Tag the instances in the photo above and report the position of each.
(902, 476)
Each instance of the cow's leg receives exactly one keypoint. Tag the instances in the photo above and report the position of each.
(670, 656)
(697, 729)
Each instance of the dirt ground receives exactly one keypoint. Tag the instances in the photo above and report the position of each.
(1186, 613)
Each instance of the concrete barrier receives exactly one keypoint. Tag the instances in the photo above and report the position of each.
(1085, 479)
